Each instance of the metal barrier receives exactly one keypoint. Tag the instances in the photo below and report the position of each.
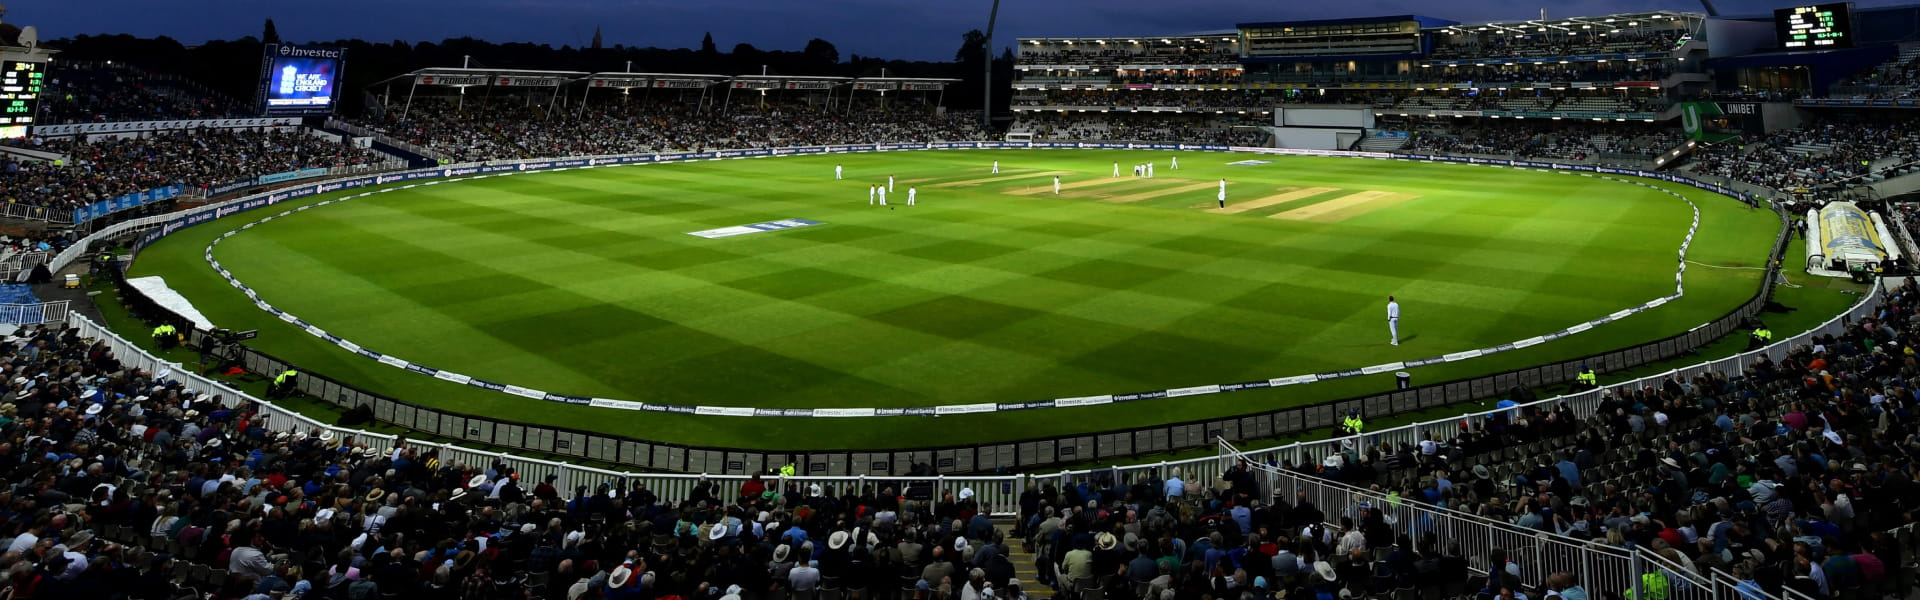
(35, 313)
(1537, 554)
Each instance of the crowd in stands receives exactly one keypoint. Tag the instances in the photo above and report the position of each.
(506, 129)
(1791, 474)
(1550, 73)
(1895, 79)
(1795, 474)
(1529, 100)
(111, 167)
(1140, 127)
(1573, 140)
(1498, 44)
(1841, 150)
(95, 92)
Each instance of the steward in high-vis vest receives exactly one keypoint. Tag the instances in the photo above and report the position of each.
(166, 336)
(787, 470)
(1761, 337)
(1352, 424)
(283, 384)
(1586, 379)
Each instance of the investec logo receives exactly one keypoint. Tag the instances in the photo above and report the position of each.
(289, 50)
(384, 179)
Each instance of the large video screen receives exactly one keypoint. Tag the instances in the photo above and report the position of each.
(1815, 27)
(297, 80)
(20, 93)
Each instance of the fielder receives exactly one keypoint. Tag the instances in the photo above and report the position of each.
(1116, 169)
(1149, 170)
(1223, 193)
(1393, 319)
(883, 194)
(889, 183)
(871, 190)
(996, 167)
(1056, 186)
(836, 172)
(1176, 163)
(910, 194)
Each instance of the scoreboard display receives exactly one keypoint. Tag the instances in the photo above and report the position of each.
(1815, 27)
(300, 80)
(20, 92)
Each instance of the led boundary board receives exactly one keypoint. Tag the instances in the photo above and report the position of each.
(300, 80)
(1818, 26)
(20, 93)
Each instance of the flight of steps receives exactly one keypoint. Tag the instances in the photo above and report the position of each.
(1813, 149)
(1375, 143)
(1023, 568)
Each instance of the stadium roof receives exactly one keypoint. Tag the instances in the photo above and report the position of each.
(1615, 21)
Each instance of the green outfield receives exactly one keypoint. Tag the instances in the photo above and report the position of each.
(992, 289)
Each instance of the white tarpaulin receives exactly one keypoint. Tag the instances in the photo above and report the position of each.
(156, 289)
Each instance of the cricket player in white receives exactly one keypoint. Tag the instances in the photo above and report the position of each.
(889, 183)
(836, 172)
(1223, 193)
(1393, 319)
(871, 190)
(996, 167)
(1056, 185)
(1176, 163)
(883, 194)
(910, 194)
(1149, 170)
(1116, 169)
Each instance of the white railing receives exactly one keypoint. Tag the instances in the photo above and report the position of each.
(1539, 554)
(387, 139)
(16, 268)
(35, 313)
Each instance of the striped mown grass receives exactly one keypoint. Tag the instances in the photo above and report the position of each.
(586, 283)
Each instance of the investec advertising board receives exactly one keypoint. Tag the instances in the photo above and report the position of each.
(300, 80)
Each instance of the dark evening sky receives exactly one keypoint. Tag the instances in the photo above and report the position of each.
(905, 29)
